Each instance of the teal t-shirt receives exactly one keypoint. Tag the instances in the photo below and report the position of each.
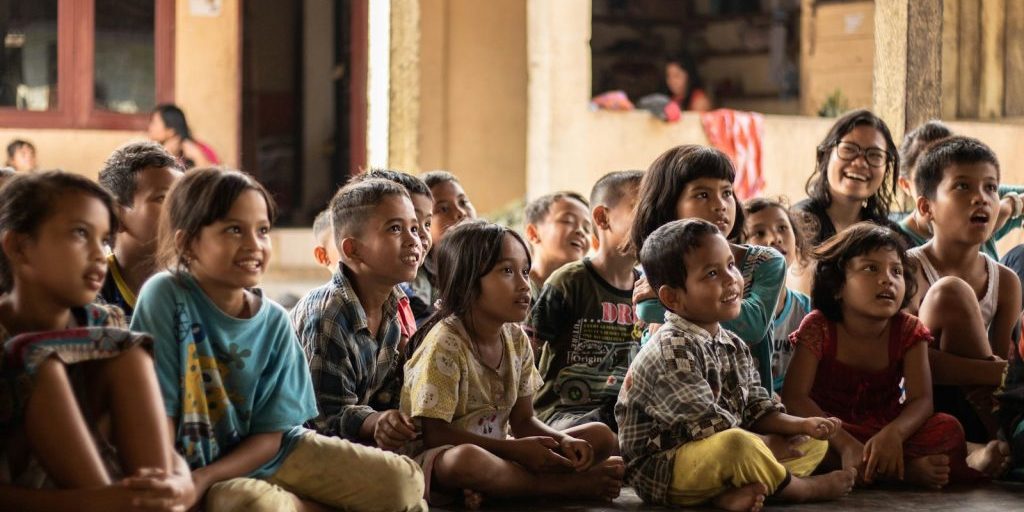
(764, 275)
(224, 378)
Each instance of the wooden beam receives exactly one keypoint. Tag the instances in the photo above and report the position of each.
(950, 57)
(970, 59)
(404, 89)
(993, 36)
(1014, 97)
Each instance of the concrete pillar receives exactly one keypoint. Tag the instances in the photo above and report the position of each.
(404, 91)
(908, 63)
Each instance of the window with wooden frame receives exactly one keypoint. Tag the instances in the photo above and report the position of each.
(90, 64)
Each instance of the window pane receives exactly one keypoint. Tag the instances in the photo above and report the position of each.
(28, 69)
(125, 56)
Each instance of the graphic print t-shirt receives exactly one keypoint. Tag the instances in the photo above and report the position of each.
(584, 327)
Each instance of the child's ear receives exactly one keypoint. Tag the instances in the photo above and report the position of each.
(119, 210)
(904, 184)
(600, 217)
(924, 207)
(349, 248)
(531, 234)
(320, 254)
(670, 297)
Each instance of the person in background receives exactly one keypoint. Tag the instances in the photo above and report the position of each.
(684, 85)
(168, 126)
(21, 155)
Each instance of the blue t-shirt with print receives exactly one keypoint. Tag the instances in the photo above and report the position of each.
(224, 378)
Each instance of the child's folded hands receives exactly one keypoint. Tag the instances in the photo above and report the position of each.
(537, 454)
(578, 451)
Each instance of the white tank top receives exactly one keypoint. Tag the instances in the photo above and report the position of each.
(988, 303)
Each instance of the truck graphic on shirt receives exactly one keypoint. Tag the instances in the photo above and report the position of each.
(582, 384)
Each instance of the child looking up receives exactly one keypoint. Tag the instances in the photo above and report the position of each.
(854, 178)
(696, 182)
(692, 397)
(582, 322)
(139, 175)
(412, 309)
(771, 224)
(451, 206)
(914, 226)
(853, 352)
(60, 349)
(350, 327)
(325, 252)
(558, 228)
(968, 301)
(236, 387)
(471, 382)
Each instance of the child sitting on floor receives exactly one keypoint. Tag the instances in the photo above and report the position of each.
(969, 302)
(582, 323)
(235, 384)
(72, 378)
(139, 175)
(350, 328)
(558, 228)
(471, 382)
(854, 350)
(771, 224)
(692, 395)
(325, 252)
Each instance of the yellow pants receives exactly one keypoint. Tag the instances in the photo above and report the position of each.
(734, 458)
(329, 471)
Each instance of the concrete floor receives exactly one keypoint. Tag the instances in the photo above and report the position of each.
(994, 497)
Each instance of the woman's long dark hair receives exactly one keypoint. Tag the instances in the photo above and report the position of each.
(174, 118)
(877, 206)
(665, 181)
(467, 253)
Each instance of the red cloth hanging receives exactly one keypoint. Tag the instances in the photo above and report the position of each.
(738, 135)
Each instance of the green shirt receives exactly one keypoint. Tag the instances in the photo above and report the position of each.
(584, 328)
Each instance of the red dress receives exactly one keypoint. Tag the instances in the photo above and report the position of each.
(867, 401)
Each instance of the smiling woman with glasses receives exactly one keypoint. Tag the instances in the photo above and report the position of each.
(854, 180)
(854, 177)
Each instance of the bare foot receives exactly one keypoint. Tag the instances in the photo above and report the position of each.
(784, 447)
(931, 471)
(472, 499)
(602, 481)
(821, 487)
(993, 459)
(750, 498)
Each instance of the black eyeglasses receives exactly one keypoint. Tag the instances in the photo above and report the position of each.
(849, 151)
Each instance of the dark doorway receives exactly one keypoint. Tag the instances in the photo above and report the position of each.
(300, 72)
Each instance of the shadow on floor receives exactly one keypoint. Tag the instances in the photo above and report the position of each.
(994, 497)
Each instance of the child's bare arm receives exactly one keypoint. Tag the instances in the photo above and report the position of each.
(917, 381)
(1007, 312)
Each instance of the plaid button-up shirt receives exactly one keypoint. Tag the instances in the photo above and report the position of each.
(683, 386)
(354, 374)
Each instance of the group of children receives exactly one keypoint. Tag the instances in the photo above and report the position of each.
(649, 335)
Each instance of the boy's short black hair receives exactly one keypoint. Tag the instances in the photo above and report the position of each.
(412, 184)
(955, 150)
(537, 210)
(120, 170)
(915, 142)
(434, 178)
(835, 253)
(612, 187)
(355, 202)
(664, 252)
(322, 223)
